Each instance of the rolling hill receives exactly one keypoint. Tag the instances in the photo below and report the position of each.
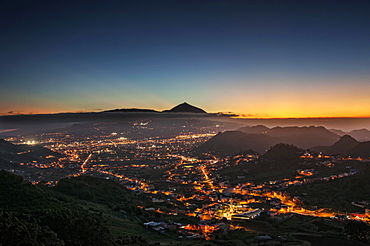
(11, 154)
(79, 211)
(231, 142)
(261, 138)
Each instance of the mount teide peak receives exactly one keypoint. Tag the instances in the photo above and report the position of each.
(185, 108)
(181, 108)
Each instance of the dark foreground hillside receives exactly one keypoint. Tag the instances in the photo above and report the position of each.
(338, 193)
(37, 215)
(33, 215)
(92, 211)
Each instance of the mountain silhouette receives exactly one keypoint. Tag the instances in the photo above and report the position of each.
(302, 137)
(283, 152)
(344, 144)
(261, 138)
(131, 110)
(338, 132)
(231, 142)
(359, 134)
(185, 108)
(259, 129)
(360, 150)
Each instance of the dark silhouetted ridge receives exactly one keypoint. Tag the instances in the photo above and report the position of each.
(231, 142)
(360, 150)
(344, 144)
(185, 108)
(10, 153)
(283, 152)
(259, 129)
(132, 110)
(361, 134)
(261, 138)
(302, 137)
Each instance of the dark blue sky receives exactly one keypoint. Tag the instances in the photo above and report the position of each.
(263, 58)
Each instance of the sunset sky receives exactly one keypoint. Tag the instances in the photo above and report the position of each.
(259, 58)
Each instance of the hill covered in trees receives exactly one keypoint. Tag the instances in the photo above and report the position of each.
(337, 193)
(11, 154)
(81, 211)
(283, 152)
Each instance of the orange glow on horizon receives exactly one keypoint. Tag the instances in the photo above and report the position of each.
(238, 116)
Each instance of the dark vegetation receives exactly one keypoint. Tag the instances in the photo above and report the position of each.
(103, 191)
(37, 215)
(90, 211)
(283, 152)
(11, 154)
(341, 147)
(279, 162)
(342, 191)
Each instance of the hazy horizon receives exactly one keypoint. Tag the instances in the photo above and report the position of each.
(23, 124)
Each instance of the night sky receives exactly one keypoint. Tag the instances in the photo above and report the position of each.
(260, 58)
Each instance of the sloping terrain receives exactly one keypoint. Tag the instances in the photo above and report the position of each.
(37, 215)
(346, 146)
(11, 154)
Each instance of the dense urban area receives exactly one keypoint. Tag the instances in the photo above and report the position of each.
(197, 195)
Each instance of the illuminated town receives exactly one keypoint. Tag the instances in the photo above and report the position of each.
(181, 123)
(180, 182)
